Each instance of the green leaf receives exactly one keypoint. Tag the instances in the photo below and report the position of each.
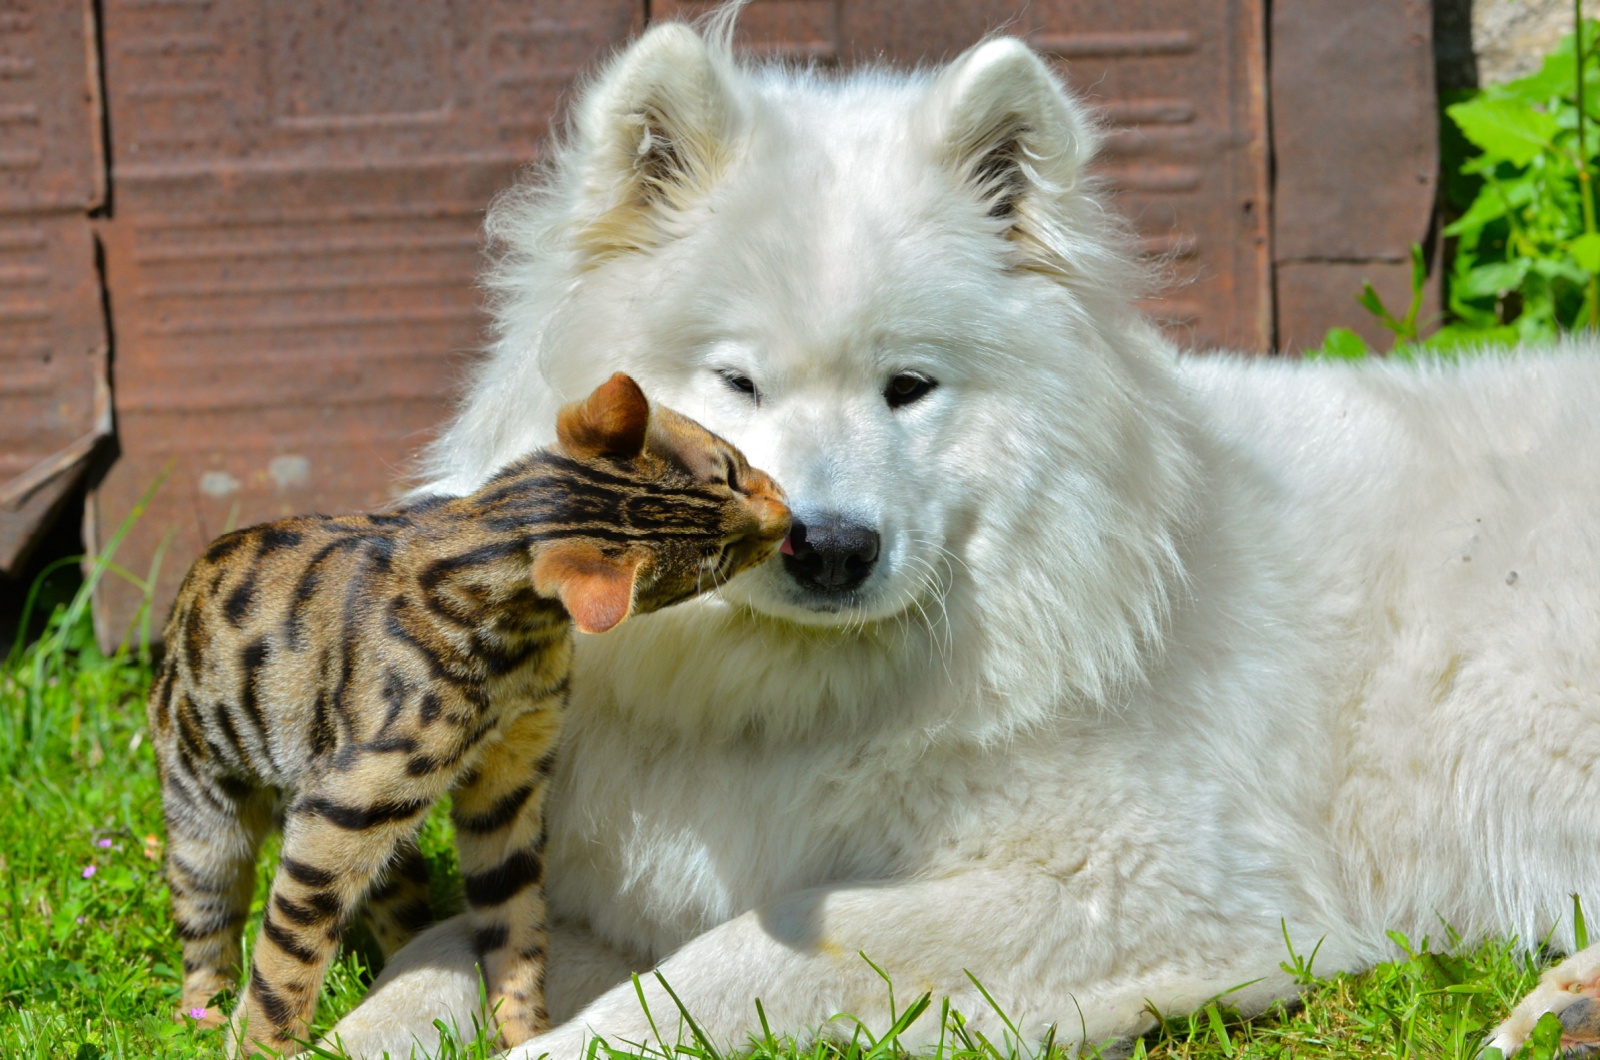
(1340, 344)
(1370, 301)
(1457, 187)
(1505, 128)
(1453, 337)
(1536, 328)
(1555, 77)
(1558, 269)
(1481, 215)
(1585, 250)
(1553, 80)
(1545, 1041)
(1219, 1032)
(1491, 279)
(1443, 969)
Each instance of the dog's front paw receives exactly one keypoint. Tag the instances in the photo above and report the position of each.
(566, 1042)
(1570, 990)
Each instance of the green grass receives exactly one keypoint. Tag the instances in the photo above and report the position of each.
(88, 958)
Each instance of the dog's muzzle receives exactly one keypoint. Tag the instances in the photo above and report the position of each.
(828, 554)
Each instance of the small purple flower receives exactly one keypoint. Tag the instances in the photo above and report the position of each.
(89, 870)
(103, 844)
(197, 1013)
(80, 920)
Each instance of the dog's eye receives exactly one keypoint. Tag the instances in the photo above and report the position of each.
(907, 387)
(741, 383)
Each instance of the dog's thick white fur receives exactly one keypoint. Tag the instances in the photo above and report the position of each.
(1158, 658)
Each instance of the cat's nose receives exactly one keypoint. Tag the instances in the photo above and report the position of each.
(766, 499)
(829, 553)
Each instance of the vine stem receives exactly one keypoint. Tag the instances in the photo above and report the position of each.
(1585, 185)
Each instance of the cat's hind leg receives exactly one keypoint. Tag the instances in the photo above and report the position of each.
(337, 839)
(397, 908)
(214, 831)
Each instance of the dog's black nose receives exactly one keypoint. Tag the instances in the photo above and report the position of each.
(828, 553)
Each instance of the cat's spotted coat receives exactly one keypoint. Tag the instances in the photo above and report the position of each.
(348, 671)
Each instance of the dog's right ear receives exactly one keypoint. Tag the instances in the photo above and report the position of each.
(655, 134)
(1019, 144)
(1007, 127)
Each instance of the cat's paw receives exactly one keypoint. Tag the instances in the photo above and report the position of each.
(1571, 990)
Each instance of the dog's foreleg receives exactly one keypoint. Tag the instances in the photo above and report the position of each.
(435, 977)
(1571, 990)
(1045, 959)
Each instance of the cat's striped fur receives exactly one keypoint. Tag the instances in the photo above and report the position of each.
(346, 671)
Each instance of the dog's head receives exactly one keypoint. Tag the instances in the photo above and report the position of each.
(897, 293)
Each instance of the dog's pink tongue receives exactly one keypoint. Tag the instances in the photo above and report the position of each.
(787, 548)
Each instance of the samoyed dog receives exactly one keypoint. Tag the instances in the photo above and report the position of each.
(1090, 673)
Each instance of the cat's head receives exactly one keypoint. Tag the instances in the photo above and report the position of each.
(676, 512)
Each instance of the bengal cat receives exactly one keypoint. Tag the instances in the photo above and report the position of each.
(344, 672)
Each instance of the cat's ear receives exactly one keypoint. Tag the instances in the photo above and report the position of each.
(596, 589)
(610, 422)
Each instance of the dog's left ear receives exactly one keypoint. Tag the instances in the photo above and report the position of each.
(596, 589)
(1007, 128)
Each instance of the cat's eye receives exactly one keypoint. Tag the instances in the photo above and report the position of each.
(741, 383)
(732, 478)
(906, 388)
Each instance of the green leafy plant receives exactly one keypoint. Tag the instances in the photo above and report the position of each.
(1528, 250)
(1519, 172)
(1345, 345)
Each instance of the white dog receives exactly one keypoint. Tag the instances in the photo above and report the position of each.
(1093, 670)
